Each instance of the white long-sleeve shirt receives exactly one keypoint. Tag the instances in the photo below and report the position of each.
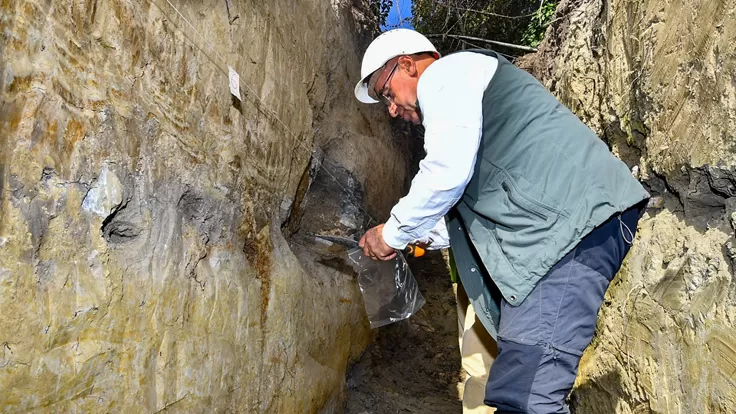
(450, 95)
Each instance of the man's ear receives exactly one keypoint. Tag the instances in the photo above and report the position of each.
(408, 64)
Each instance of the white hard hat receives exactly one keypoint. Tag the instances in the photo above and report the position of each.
(385, 47)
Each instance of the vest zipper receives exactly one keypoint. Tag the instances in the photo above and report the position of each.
(519, 204)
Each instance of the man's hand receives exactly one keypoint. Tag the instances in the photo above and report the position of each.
(373, 245)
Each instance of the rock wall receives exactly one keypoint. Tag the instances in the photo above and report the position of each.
(657, 80)
(145, 214)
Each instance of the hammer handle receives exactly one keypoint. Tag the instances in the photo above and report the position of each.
(415, 251)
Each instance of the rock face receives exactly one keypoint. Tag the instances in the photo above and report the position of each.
(145, 213)
(657, 80)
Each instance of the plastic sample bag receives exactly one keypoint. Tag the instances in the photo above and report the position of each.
(389, 289)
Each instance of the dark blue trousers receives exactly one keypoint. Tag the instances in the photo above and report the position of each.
(540, 341)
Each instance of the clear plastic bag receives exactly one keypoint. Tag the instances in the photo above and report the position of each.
(389, 289)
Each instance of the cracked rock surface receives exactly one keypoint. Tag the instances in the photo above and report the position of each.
(145, 213)
(657, 80)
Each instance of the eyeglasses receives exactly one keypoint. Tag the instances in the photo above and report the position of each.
(385, 99)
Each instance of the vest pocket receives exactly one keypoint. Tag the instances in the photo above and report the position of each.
(522, 225)
(524, 202)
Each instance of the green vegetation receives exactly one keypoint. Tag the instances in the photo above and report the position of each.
(520, 22)
(380, 9)
(538, 25)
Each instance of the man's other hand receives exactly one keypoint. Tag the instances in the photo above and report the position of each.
(373, 245)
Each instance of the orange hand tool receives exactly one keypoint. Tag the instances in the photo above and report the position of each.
(411, 250)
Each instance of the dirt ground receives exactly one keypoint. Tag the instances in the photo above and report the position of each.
(414, 365)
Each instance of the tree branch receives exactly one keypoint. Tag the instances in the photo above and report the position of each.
(478, 39)
(496, 14)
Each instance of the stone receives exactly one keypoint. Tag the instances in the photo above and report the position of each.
(105, 195)
(649, 76)
(147, 218)
(730, 205)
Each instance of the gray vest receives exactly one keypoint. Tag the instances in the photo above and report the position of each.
(542, 181)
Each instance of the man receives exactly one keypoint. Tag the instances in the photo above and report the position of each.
(540, 214)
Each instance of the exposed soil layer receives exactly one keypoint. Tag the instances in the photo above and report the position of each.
(414, 365)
